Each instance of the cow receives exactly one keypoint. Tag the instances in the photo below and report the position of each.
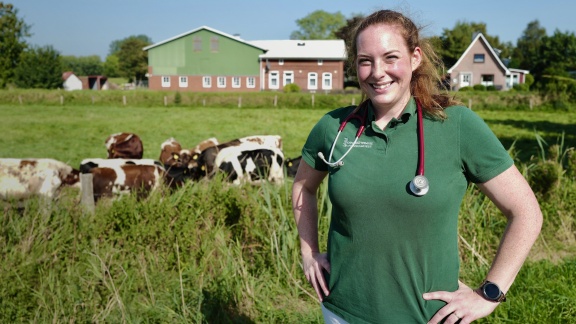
(291, 166)
(88, 164)
(124, 179)
(24, 178)
(249, 163)
(125, 146)
(263, 140)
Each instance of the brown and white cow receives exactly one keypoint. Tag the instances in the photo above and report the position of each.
(90, 163)
(124, 145)
(24, 178)
(125, 179)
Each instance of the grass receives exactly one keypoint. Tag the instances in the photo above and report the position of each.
(211, 253)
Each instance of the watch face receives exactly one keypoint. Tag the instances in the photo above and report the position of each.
(492, 291)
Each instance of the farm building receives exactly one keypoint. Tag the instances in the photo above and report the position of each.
(208, 60)
(92, 82)
(71, 81)
(480, 64)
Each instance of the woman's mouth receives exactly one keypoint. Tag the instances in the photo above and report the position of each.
(381, 86)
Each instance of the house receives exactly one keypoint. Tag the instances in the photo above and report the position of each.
(71, 81)
(204, 59)
(314, 65)
(95, 82)
(480, 64)
(207, 60)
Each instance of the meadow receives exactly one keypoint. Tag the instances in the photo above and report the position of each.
(212, 253)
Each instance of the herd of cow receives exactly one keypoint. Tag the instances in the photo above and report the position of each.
(251, 159)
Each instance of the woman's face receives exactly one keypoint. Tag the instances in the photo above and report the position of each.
(385, 66)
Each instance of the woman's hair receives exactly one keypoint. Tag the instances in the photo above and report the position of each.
(426, 81)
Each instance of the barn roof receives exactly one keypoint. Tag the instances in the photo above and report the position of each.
(302, 49)
(237, 38)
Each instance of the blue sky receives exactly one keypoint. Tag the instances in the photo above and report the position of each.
(87, 27)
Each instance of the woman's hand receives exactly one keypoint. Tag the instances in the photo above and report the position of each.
(313, 266)
(463, 305)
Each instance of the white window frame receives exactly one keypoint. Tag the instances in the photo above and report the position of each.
(287, 77)
(312, 78)
(250, 82)
(221, 82)
(273, 80)
(183, 81)
(479, 58)
(165, 82)
(236, 82)
(280, 61)
(320, 61)
(207, 82)
(327, 78)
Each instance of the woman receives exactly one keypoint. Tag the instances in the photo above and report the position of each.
(392, 252)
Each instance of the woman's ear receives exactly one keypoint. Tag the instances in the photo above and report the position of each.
(416, 58)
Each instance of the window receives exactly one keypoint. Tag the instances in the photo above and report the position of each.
(281, 62)
(312, 81)
(273, 80)
(320, 62)
(236, 82)
(207, 82)
(197, 44)
(251, 82)
(183, 82)
(165, 82)
(214, 44)
(487, 79)
(288, 77)
(221, 82)
(327, 81)
(478, 58)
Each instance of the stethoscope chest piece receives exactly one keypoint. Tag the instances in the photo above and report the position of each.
(419, 185)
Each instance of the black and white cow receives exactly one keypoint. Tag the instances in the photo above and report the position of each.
(251, 163)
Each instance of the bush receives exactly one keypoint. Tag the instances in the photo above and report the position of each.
(479, 87)
(292, 87)
(491, 88)
(465, 89)
(521, 87)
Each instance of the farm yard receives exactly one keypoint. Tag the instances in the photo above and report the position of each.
(215, 253)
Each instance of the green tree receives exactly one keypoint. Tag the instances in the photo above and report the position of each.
(13, 30)
(39, 68)
(319, 25)
(528, 46)
(83, 65)
(112, 66)
(346, 33)
(133, 61)
(115, 45)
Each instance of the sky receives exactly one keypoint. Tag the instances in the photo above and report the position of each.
(88, 27)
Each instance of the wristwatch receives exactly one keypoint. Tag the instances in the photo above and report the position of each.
(490, 291)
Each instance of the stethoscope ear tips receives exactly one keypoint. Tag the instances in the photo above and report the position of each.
(419, 185)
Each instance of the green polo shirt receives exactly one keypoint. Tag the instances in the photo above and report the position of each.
(386, 246)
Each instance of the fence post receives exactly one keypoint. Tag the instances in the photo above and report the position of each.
(61, 99)
(312, 100)
(20, 99)
(470, 103)
(87, 192)
(92, 99)
(353, 101)
(239, 102)
(203, 102)
(165, 101)
(275, 100)
(124, 100)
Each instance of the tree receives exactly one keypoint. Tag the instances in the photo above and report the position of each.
(133, 61)
(40, 68)
(82, 65)
(528, 46)
(346, 33)
(111, 66)
(115, 45)
(13, 30)
(319, 25)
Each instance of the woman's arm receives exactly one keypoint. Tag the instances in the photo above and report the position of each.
(513, 196)
(305, 207)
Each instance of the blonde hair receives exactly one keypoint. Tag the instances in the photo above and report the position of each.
(425, 82)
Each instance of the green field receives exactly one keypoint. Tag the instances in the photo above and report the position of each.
(211, 253)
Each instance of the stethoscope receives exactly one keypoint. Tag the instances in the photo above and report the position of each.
(419, 185)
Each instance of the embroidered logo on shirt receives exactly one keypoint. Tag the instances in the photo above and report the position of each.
(347, 143)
